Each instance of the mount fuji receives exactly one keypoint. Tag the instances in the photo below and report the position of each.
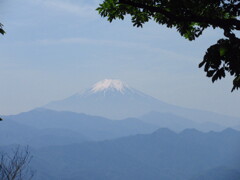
(114, 99)
(109, 98)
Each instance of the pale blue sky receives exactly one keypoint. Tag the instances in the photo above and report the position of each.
(55, 48)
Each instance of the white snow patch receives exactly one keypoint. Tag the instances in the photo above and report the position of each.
(109, 84)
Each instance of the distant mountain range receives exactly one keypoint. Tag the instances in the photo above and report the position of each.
(41, 123)
(74, 145)
(115, 100)
(42, 127)
(163, 154)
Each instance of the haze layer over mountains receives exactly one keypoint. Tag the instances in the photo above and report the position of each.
(112, 131)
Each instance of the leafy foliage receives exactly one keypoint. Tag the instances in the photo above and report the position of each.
(223, 57)
(1, 29)
(190, 18)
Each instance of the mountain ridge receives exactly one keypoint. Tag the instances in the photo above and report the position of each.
(162, 154)
(93, 127)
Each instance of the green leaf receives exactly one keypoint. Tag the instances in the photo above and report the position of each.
(222, 51)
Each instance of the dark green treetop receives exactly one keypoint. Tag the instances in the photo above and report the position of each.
(190, 18)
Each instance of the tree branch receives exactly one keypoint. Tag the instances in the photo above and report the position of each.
(222, 23)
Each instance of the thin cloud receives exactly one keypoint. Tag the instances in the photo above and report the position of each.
(80, 9)
(80, 40)
(122, 44)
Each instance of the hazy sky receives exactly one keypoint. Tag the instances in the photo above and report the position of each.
(55, 48)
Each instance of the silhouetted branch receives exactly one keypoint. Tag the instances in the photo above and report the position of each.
(15, 166)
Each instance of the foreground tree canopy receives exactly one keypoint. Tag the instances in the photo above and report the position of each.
(1, 29)
(190, 18)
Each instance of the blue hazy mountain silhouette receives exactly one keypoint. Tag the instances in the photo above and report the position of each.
(164, 154)
(92, 127)
(12, 132)
(42, 126)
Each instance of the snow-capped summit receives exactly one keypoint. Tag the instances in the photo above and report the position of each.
(107, 84)
(109, 98)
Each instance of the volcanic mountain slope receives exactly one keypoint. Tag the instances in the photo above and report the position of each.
(116, 100)
(109, 98)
